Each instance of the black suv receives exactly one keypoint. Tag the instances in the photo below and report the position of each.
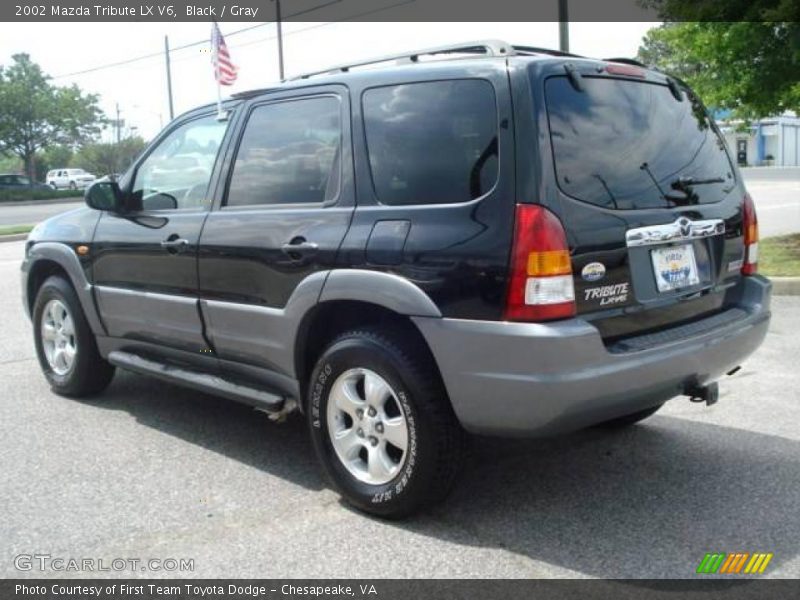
(485, 238)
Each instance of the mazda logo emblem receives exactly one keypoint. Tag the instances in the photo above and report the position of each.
(685, 227)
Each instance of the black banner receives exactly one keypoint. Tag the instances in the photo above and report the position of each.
(393, 589)
(334, 10)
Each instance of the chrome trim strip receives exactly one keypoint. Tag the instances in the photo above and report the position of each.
(681, 229)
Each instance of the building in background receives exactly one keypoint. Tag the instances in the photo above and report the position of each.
(767, 142)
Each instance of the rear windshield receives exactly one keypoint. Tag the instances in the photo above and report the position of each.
(625, 144)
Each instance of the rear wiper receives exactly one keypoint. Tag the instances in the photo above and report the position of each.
(684, 182)
(677, 195)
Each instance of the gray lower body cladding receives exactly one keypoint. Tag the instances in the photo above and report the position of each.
(531, 379)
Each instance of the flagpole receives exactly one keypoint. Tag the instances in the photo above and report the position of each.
(220, 114)
(214, 50)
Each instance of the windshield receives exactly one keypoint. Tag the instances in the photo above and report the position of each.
(626, 144)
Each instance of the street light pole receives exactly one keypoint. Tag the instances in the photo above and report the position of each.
(279, 23)
(563, 26)
(169, 76)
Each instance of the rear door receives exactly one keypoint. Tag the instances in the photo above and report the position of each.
(286, 206)
(650, 199)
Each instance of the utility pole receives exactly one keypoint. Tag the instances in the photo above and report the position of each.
(563, 26)
(169, 76)
(119, 126)
(278, 22)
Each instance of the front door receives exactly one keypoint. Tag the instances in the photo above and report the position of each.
(145, 267)
(285, 209)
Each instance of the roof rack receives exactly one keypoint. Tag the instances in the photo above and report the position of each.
(251, 93)
(485, 47)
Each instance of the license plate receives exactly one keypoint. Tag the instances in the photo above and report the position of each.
(675, 267)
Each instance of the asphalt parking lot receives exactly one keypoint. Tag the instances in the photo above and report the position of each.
(148, 470)
(30, 213)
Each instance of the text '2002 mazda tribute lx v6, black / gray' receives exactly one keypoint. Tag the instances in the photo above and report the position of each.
(498, 240)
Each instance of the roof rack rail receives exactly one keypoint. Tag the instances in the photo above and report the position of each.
(485, 47)
(627, 61)
(537, 50)
(255, 92)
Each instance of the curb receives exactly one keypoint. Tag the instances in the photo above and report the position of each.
(785, 286)
(66, 200)
(14, 237)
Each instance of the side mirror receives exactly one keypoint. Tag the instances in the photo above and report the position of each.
(104, 195)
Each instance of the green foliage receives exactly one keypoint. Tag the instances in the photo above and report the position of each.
(741, 55)
(34, 114)
(10, 164)
(780, 256)
(12, 229)
(103, 159)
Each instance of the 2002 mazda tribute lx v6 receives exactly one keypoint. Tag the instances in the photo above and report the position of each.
(496, 239)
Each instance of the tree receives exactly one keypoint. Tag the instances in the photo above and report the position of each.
(750, 68)
(103, 159)
(35, 114)
(742, 55)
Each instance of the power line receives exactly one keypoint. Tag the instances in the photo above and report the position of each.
(190, 45)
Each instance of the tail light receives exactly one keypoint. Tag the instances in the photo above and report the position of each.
(750, 226)
(540, 288)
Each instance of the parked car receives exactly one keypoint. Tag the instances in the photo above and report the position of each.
(507, 240)
(73, 179)
(13, 181)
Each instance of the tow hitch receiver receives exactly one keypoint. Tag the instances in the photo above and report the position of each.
(703, 393)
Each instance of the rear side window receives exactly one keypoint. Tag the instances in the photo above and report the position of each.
(625, 144)
(432, 142)
(289, 154)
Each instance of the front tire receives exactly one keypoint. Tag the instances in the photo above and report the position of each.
(381, 423)
(65, 345)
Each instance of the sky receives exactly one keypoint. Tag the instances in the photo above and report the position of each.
(140, 89)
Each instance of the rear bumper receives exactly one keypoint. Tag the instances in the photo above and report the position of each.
(528, 379)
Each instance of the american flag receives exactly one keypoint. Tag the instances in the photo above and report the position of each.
(224, 69)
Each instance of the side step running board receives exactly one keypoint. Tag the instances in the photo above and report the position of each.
(204, 382)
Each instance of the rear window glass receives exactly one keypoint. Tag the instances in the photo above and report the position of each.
(432, 142)
(627, 144)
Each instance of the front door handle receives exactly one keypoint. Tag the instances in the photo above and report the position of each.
(174, 243)
(299, 248)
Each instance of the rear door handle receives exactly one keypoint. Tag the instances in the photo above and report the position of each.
(299, 248)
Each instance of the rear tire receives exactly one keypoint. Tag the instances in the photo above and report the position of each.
(631, 419)
(65, 345)
(73, 186)
(382, 424)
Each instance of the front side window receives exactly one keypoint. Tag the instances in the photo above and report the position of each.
(177, 172)
(432, 142)
(289, 154)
